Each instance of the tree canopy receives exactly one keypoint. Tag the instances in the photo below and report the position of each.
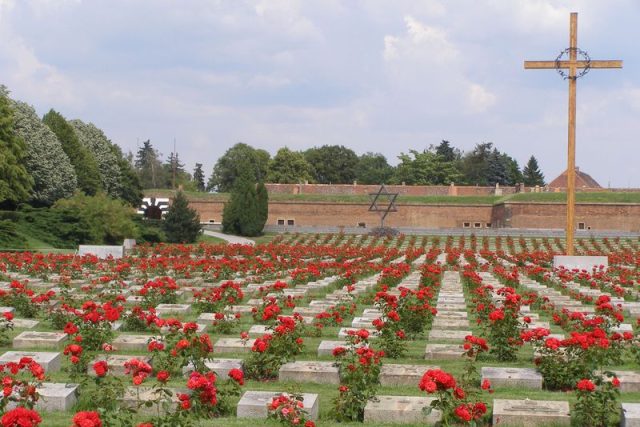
(288, 167)
(332, 164)
(241, 158)
(53, 175)
(373, 168)
(94, 140)
(84, 164)
(15, 181)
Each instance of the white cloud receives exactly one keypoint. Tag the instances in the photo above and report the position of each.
(285, 16)
(480, 99)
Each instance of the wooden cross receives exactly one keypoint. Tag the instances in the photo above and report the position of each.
(573, 65)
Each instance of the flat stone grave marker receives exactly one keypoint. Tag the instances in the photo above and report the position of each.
(629, 381)
(531, 413)
(220, 366)
(451, 307)
(259, 330)
(344, 332)
(232, 345)
(405, 409)
(242, 309)
(446, 314)
(539, 324)
(101, 251)
(316, 372)
(32, 339)
(7, 309)
(371, 313)
(360, 322)
(630, 415)
(444, 299)
(24, 323)
(115, 362)
(49, 361)
(444, 323)
(133, 342)
(528, 378)
(133, 396)
(623, 327)
(443, 351)
(56, 396)
(448, 334)
(403, 375)
(210, 317)
(325, 348)
(162, 309)
(308, 311)
(253, 404)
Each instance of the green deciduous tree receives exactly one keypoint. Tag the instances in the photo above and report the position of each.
(53, 175)
(373, 168)
(99, 145)
(239, 159)
(103, 219)
(332, 164)
(425, 168)
(532, 175)
(181, 223)
(84, 164)
(475, 164)
(288, 167)
(15, 181)
(198, 177)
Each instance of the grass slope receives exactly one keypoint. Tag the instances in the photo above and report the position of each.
(584, 197)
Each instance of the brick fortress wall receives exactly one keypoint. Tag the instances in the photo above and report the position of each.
(597, 216)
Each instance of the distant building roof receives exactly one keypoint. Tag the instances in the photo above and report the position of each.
(583, 180)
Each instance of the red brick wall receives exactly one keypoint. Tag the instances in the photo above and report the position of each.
(602, 216)
(598, 216)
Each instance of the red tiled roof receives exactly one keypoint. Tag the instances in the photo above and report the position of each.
(583, 180)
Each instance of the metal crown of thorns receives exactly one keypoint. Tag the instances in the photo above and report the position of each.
(585, 57)
(383, 211)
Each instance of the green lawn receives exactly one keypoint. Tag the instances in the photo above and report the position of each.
(599, 197)
(587, 197)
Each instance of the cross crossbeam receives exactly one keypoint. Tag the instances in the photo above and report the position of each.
(573, 65)
(552, 65)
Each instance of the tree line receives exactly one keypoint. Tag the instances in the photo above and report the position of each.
(440, 164)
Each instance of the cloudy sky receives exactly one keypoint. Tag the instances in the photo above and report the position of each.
(374, 75)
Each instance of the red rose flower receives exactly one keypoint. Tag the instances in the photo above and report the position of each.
(585, 385)
(21, 417)
(101, 368)
(162, 376)
(87, 419)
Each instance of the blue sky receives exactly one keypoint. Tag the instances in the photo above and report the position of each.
(374, 75)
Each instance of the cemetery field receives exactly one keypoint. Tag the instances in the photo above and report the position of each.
(210, 334)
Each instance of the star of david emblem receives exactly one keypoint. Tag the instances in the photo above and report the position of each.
(383, 202)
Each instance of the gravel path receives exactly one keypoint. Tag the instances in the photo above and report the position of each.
(229, 238)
